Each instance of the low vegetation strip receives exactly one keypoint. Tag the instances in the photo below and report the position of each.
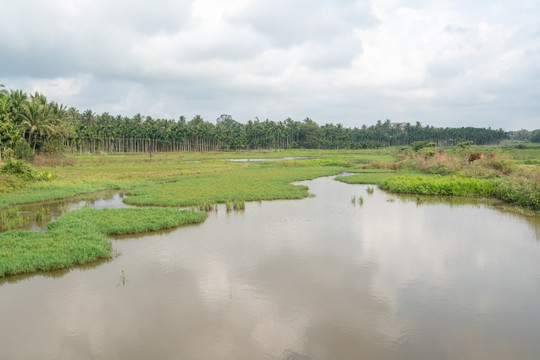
(438, 185)
(79, 237)
(511, 190)
(257, 182)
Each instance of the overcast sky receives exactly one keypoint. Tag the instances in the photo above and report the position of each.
(443, 63)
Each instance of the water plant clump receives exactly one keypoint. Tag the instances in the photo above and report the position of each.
(353, 199)
(229, 205)
(206, 206)
(360, 200)
(40, 214)
(370, 190)
(11, 218)
(239, 205)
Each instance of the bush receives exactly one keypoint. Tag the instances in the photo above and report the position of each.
(18, 168)
(53, 147)
(502, 165)
(419, 145)
(23, 171)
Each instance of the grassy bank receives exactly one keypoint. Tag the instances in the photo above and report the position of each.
(90, 173)
(80, 237)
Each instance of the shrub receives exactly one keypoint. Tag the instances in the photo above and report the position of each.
(419, 145)
(18, 168)
(502, 165)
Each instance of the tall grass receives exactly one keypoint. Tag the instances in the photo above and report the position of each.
(10, 218)
(517, 191)
(438, 185)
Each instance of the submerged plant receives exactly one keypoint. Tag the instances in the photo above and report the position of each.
(11, 218)
(239, 205)
(40, 214)
(206, 206)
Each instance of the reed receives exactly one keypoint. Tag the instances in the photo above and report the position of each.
(11, 218)
(40, 214)
(239, 205)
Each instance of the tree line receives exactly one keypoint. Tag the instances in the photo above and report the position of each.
(31, 123)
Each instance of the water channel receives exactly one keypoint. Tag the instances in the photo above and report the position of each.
(319, 278)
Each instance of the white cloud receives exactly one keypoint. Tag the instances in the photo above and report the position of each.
(449, 63)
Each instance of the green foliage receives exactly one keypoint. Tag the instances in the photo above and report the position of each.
(18, 168)
(504, 166)
(516, 191)
(438, 185)
(24, 151)
(10, 218)
(79, 237)
(535, 136)
(464, 145)
(419, 145)
(249, 183)
(10, 183)
(24, 171)
(372, 177)
(54, 146)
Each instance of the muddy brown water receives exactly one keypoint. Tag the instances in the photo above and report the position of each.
(319, 278)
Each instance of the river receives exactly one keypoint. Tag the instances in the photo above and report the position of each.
(318, 278)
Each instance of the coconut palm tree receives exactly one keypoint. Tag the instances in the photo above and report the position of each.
(3, 91)
(36, 118)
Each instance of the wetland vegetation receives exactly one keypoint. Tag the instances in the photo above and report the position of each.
(202, 180)
(50, 152)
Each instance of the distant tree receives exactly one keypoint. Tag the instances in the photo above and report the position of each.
(535, 136)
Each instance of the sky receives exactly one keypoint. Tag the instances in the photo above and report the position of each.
(442, 63)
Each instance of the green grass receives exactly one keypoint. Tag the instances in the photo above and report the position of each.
(438, 185)
(80, 237)
(251, 182)
(373, 176)
(516, 191)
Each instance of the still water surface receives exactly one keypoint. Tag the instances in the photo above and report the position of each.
(319, 278)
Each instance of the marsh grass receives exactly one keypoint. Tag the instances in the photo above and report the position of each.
(373, 176)
(258, 181)
(517, 191)
(40, 214)
(239, 205)
(10, 218)
(79, 237)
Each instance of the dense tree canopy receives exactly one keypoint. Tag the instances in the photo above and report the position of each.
(32, 122)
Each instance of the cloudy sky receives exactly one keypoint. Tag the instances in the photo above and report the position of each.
(443, 63)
